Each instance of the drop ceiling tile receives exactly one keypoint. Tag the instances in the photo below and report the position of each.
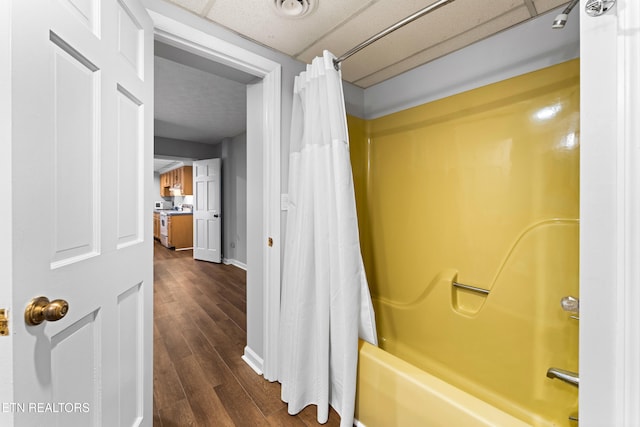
(196, 6)
(473, 35)
(543, 6)
(433, 29)
(357, 28)
(258, 20)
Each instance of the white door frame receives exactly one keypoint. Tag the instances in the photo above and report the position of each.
(177, 34)
(610, 217)
(6, 218)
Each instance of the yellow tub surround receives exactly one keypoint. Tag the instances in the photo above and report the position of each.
(468, 210)
(392, 392)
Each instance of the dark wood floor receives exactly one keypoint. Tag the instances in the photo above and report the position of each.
(199, 336)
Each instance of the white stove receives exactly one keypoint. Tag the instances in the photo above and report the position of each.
(164, 229)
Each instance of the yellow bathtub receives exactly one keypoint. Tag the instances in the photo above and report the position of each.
(479, 189)
(392, 392)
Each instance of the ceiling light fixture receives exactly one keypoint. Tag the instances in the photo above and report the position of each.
(294, 8)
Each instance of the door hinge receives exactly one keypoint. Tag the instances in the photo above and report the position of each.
(4, 323)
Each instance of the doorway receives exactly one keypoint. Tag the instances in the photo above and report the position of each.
(200, 115)
(263, 181)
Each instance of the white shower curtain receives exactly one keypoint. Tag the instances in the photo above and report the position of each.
(326, 303)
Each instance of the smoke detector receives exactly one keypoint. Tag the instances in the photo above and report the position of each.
(294, 8)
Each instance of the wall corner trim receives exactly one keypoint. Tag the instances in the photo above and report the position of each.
(235, 263)
(254, 361)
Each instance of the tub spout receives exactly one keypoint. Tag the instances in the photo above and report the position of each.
(566, 376)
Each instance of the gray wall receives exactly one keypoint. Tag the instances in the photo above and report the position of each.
(169, 147)
(524, 48)
(234, 199)
(255, 222)
(156, 187)
(353, 100)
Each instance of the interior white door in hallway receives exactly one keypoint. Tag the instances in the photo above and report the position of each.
(81, 141)
(207, 215)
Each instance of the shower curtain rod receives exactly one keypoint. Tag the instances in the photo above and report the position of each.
(383, 33)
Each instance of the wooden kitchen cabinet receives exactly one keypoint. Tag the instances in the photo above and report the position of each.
(183, 180)
(156, 225)
(165, 185)
(177, 179)
(180, 231)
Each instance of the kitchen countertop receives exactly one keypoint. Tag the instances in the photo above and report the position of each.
(172, 212)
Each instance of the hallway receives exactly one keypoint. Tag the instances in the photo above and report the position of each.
(199, 336)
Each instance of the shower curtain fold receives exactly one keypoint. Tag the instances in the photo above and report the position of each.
(325, 302)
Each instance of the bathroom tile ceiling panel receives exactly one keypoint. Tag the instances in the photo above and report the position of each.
(435, 51)
(257, 20)
(410, 40)
(339, 25)
(543, 6)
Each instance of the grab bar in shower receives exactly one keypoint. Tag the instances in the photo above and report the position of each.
(566, 376)
(470, 288)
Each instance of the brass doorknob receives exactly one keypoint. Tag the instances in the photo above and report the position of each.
(41, 309)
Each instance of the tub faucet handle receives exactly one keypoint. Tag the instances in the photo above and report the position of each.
(563, 375)
(571, 305)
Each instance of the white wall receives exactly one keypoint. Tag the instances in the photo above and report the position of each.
(234, 200)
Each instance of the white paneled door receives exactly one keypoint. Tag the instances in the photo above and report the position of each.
(81, 142)
(207, 215)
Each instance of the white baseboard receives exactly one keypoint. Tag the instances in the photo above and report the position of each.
(235, 262)
(253, 360)
(358, 423)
